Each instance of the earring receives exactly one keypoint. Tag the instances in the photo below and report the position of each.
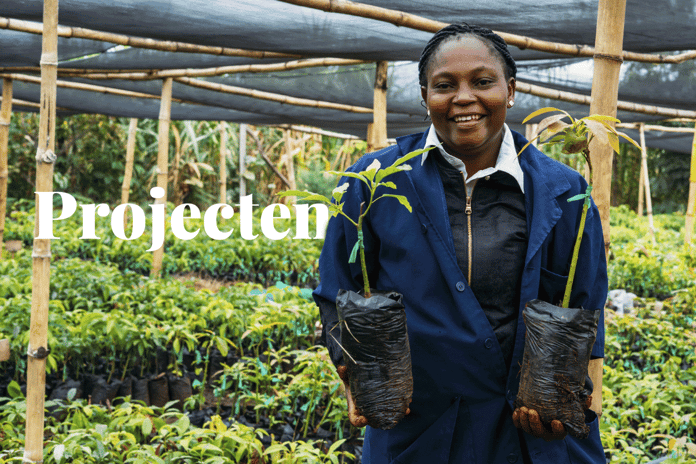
(511, 103)
(428, 112)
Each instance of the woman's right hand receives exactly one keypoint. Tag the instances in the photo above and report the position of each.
(354, 416)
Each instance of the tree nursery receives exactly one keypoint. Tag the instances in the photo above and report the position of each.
(183, 183)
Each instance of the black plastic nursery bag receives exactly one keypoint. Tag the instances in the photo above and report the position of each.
(554, 367)
(377, 354)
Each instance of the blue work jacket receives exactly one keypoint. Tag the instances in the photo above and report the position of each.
(463, 391)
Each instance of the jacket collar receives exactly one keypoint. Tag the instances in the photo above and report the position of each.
(544, 182)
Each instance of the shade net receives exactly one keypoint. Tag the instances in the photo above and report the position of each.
(275, 26)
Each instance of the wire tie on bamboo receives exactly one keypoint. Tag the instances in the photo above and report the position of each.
(41, 353)
(45, 156)
(3, 123)
(49, 59)
(35, 254)
(617, 58)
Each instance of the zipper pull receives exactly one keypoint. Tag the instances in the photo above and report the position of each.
(468, 205)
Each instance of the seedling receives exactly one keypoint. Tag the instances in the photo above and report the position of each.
(373, 177)
(575, 137)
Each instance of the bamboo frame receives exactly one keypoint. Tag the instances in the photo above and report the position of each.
(288, 160)
(691, 205)
(571, 97)
(521, 87)
(270, 96)
(41, 255)
(650, 127)
(88, 87)
(138, 42)
(207, 72)
(604, 97)
(646, 181)
(223, 159)
(377, 134)
(4, 350)
(128, 170)
(420, 23)
(5, 118)
(243, 129)
(641, 186)
(162, 162)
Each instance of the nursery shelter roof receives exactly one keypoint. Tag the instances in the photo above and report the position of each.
(280, 27)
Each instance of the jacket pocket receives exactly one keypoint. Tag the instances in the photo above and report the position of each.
(433, 445)
(552, 286)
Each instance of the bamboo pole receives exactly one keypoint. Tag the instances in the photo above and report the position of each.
(646, 181)
(270, 96)
(654, 128)
(128, 172)
(288, 160)
(420, 23)
(207, 72)
(314, 130)
(539, 91)
(378, 133)
(243, 129)
(691, 205)
(41, 255)
(641, 186)
(605, 92)
(162, 162)
(83, 86)
(521, 87)
(5, 118)
(223, 161)
(4, 350)
(138, 42)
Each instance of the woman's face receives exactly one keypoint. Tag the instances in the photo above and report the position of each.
(467, 95)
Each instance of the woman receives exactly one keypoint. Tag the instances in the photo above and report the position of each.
(489, 231)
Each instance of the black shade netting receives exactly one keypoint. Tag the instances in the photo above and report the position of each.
(377, 354)
(557, 352)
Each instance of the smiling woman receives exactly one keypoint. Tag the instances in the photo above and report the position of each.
(490, 230)
(468, 104)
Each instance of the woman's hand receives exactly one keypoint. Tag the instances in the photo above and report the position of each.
(354, 416)
(529, 421)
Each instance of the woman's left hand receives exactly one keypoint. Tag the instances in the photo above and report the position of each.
(529, 421)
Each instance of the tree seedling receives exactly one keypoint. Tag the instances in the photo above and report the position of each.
(373, 177)
(575, 137)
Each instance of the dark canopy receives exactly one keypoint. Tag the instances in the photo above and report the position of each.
(276, 26)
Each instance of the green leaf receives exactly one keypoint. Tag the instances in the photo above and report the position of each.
(614, 142)
(629, 139)
(402, 199)
(601, 118)
(599, 130)
(547, 109)
(350, 174)
(390, 185)
(14, 390)
(146, 427)
(58, 452)
(222, 347)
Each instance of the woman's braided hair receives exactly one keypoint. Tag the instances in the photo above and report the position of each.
(453, 30)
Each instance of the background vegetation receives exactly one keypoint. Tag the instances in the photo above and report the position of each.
(235, 319)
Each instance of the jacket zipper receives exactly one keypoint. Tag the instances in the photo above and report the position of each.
(470, 247)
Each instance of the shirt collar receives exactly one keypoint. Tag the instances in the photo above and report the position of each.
(507, 161)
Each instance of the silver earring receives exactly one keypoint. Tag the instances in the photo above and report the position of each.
(511, 103)
(428, 112)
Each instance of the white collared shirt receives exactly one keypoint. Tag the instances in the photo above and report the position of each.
(507, 159)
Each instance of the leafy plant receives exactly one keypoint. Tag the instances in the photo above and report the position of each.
(575, 137)
(373, 177)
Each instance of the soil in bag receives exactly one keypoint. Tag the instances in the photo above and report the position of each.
(377, 354)
(554, 366)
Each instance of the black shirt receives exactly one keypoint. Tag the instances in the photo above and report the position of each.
(498, 231)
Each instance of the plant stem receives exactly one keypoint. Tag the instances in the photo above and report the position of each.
(576, 252)
(363, 266)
